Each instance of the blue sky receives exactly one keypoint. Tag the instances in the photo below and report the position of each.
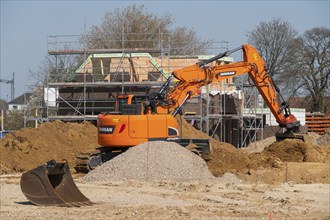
(25, 25)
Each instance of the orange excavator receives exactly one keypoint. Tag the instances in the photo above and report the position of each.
(142, 118)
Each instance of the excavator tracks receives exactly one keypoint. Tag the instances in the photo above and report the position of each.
(89, 160)
(83, 160)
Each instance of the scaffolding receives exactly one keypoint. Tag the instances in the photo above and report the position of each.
(229, 115)
(82, 92)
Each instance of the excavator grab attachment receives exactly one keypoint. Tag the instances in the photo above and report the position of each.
(51, 184)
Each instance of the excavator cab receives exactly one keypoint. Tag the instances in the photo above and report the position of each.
(122, 99)
(51, 184)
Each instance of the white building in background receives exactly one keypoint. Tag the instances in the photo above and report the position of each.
(20, 102)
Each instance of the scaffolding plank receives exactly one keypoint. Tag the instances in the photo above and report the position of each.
(105, 84)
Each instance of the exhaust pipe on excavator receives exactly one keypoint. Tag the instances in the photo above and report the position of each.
(51, 184)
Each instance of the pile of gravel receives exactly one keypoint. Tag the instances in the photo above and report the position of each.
(157, 160)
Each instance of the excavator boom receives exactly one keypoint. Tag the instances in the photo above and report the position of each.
(191, 78)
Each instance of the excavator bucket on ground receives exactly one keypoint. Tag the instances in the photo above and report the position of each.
(51, 184)
(289, 135)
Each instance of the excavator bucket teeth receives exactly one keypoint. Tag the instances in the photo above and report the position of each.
(51, 184)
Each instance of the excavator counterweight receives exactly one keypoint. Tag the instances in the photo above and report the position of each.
(51, 184)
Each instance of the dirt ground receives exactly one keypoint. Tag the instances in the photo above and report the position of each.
(212, 199)
(267, 180)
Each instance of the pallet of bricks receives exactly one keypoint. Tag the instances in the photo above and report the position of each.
(317, 122)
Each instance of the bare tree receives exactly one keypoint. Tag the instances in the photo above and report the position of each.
(272, 40)
(309, 69)
(135, 27)
(184, 41)
(52, 69)
(55, 69)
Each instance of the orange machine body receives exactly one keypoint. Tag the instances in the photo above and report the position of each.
(130, 130)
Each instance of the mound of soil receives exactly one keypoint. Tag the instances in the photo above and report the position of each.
(28, 148)
(224, 157)
(277, 154)
(267, 160)
(292, 150)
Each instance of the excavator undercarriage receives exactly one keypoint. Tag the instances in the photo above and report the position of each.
(87, 161)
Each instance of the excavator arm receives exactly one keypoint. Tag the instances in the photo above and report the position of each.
(192, 78)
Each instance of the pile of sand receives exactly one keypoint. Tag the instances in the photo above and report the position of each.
(224, 157)
(156, 160)
(289, 150)
(28, 148)
(292, 150)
